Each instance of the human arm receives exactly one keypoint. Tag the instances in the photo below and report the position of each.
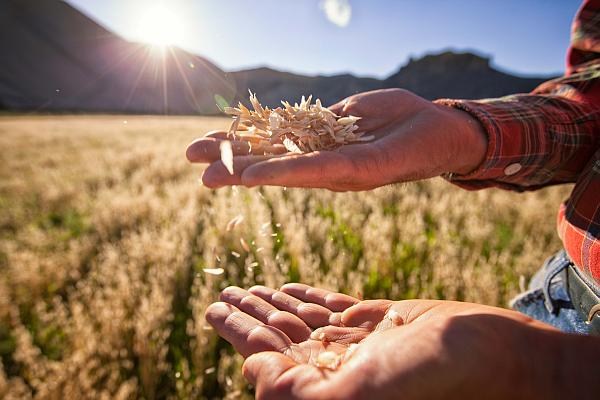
(414, 139)
(414, 349)
(548, 136)
(531, 140)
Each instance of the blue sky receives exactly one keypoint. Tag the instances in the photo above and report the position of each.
(364, 37)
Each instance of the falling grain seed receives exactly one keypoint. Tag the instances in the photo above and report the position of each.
(235, 222)
(213, 271)
(260, 249)
(210, 370)
(235, 254)
(244, 245)
(227, 155)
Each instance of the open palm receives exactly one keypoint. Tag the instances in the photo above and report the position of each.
(292, 327)
(381, 347)
(414, 139)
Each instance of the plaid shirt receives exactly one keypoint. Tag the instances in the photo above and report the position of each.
(551, 136)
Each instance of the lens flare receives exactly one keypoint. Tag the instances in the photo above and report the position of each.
(158, 25)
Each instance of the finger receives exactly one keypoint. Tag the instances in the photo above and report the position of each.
(218, 134)
(276, 376)
(247, 137)
(207, 149)
(340, 334)
(319, 169)
(288, 323)
(331, 300)
(217, 175)
(247, 334)
(266, 367)
(338, 108)
(366, 314)
(314, 315)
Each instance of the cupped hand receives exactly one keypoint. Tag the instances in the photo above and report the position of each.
(414, 139)
(378, 349)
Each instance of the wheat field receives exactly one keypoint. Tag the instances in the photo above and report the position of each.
(105, 233)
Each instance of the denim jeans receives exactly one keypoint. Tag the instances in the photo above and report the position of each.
(548, 300)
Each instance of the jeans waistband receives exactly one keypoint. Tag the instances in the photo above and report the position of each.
(584, 300)
(556, 267)
(576, 293)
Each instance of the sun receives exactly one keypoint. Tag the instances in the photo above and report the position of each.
(159, 26)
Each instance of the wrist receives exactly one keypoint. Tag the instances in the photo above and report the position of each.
(559, 365)
(577, 357)
(467, 144)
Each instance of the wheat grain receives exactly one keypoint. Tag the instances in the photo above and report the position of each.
(395, 317)
(213, 271)
(227, 155)
(234, 222)
(244, 244)
(301, 128)
(328, 359)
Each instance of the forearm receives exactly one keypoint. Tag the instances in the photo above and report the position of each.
(559, 365)
(532, 140)
(467, 141)
(580, 366)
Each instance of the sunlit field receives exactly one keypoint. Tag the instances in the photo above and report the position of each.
(105, 233)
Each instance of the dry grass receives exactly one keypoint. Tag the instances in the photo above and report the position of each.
(105, 235)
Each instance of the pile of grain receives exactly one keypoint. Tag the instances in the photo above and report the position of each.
(301, 128)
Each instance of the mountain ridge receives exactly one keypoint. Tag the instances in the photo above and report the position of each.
(59, 59)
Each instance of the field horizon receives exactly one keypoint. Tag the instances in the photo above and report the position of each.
(106, 233)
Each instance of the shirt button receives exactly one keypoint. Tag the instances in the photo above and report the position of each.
(512, 169)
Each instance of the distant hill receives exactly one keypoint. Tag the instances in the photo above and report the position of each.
(54, 58)
(458, 75)
(272, 86)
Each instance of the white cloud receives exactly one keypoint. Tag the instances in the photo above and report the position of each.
(338, 12)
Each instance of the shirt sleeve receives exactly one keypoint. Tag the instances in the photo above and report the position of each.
(548, 136)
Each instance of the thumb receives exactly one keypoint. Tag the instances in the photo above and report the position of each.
(276, 376)
(266, 367)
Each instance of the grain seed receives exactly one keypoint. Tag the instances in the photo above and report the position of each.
(227, 155)
(235, 222)
(328, 359)
(244, 245)
(301, 128)
(213, 271)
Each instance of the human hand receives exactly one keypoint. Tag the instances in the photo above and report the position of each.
(413, 349)
(414, 139)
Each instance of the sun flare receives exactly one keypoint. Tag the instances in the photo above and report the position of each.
(159, 26)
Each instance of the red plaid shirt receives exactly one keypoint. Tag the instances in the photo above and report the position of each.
(552, 136)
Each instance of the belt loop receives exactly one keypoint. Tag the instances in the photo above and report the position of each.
(557, 265)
